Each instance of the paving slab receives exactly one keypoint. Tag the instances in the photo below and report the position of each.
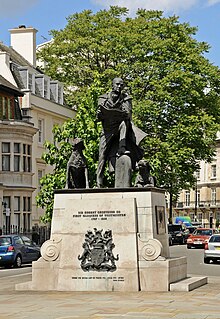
(200, 303)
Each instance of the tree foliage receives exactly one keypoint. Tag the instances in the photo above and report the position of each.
(175, 89)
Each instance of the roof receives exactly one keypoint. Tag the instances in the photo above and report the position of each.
(6, 85)
(17, 60)
(15, 56)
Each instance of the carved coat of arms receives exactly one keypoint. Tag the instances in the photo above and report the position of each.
(97, 254)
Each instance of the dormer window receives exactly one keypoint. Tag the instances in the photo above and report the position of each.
(27, 78)
(56, 92)
(42, 85)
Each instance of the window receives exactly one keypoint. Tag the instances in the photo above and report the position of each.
(214, 239)
(18, 241)
(16, 163)
(6, 202)
(17, 220)
(187, 198)
(42, 85)
(213, 171)
(213, 196)
(5, 241)
(4, 108)
(21, 156)
(17, 157)
(5, 147)
(27, 204)
(56, 92)
(27, 78)
(17, 204)
(46, 88)
(6, 156)
(203, 232)
(17, 147)
(26, 240)
(24, 222)
(28, 222)
(24, 204)
(26, 158)
(41, 131)
(6, 162)
(60, 94)
(7, 105)
(30, 82)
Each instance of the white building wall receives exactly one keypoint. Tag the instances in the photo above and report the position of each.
(51, 114)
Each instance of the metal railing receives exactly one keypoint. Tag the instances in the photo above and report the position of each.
(39, 234)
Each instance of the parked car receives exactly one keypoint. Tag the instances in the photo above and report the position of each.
(189, 230)
(212, 249)
(177, 233)
(16, 250)
(199, 237)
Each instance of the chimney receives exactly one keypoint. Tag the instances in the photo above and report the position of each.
(23, 40)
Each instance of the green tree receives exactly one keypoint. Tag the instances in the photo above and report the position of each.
(175, 89)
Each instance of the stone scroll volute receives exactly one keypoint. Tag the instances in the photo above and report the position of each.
(50, 250)
(151, 250)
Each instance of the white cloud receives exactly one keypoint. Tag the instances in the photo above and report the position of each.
(9, 8)
(173, 6)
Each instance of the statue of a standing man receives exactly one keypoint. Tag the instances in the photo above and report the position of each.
(119, 135)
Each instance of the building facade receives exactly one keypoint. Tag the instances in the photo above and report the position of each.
(21, 141)
(16, 139)
(202, 203)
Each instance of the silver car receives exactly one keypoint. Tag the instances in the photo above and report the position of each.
(212, 249)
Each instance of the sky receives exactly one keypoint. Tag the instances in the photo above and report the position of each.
(46, 15)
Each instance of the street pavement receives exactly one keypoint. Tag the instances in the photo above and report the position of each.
(201, 303)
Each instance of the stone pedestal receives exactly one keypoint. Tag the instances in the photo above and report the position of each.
(107, 240)
(157, 275)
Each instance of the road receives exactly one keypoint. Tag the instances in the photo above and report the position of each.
(195, 264)
(15, 272)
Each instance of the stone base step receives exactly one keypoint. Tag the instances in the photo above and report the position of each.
(188, 284)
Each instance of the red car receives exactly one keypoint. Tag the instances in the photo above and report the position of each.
(199, 237)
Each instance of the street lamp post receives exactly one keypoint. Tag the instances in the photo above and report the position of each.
(4, 205)
(8, 212)
(7, 217)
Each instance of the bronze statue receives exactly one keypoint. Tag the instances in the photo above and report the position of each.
(77, 173)
(144, 179)
(119, 137)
